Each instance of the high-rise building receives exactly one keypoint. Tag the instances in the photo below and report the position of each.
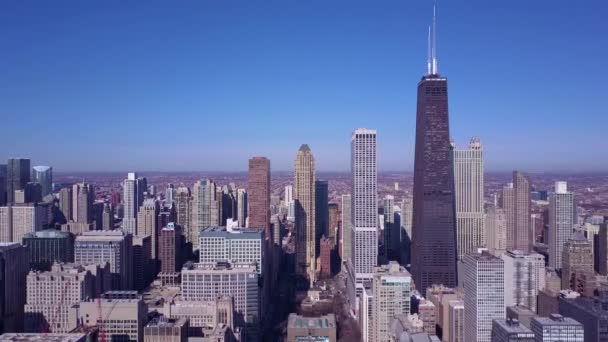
(107, 217)
(434, 223)
(48, 246)
(65, 203)
(288, 198)
(304, 197)
(524, 278)
(3, 183)
(20, 219)
(321, 212)
(43, 175)
(523, 238)
(326, 246)
(334, 222)
(392, 238)
(241, 203)
(603, 249)
(115, 247)
(557, 328)
(143, 266)
(169, 248)
(496, 230)
(561, 222)
(507, 204)
(147, 223)
(592, 313)
(14, 265)
(204, 208)
(259, 193)
(123, 315)
(510, 330)
(468, 188)
(130, 197)
(364, 205)
(484, 295)
(578, 273)
(84, 201)
(163, 329)
(346, 235)
(182, 200)
(170, 193)
(51, 294)
(322, 328)
(455, 321)
(17, 176)
(204, 282)
(236, 246)
(391, 286)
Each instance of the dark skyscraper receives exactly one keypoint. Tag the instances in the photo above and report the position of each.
(259, 193)
(321, 212)
(2, 184)
(434, 225)
(18, 175)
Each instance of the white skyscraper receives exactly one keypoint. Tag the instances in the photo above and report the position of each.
(241, 203)
(524, 278)
(496, 230)
(561, 222)
(484, 295)
(346, 236)
(129, 198)
(364, 206)
(43, 175)
(468, 186)
(391, 287)
(289, 202)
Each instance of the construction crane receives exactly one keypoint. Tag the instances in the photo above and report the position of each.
(47, 328)
(102, 333)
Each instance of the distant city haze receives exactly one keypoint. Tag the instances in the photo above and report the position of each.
(206, 85)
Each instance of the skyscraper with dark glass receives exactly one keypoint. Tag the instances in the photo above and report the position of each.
(434, 225)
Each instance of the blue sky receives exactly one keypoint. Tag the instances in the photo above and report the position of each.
(204, 85)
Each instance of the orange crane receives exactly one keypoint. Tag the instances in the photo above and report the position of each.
(102, 333)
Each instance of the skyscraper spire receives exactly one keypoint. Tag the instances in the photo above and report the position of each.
(434, 70)
(428, 53)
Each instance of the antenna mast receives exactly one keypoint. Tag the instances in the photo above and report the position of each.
(434, 70)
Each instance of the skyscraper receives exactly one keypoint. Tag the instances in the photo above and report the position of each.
(65, 203)
(43, 175)
(578, 273)
(523, 238)
(468, 187)
(321, 212)
(304, 196)
(524, 278)
(346, 236)
(147, 223)
(241, 203)
(391, 230)
(561, 222)
(496, 230)
(18, 175)
(484, 295)
(183, 200)
(507, 204)
(259, 193)
(129, 197)
(434, 224)
(289, 202)
(169, 248)
(84, 204)
(3, 181)
(204, 204)
(364, 206)
(14, 265)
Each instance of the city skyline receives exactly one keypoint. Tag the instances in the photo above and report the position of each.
(279, 74)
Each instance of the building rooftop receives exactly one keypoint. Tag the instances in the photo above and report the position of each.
(232, 233)
(555, 319)
(393, 268)
(219, 266)
(164, 322)
(322, 322)
(512, 326)
(48, 233)
(23, 337)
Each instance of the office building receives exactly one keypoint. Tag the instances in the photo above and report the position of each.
(43, 175)
(326, 246)
(183, 210)
(130, 197)
(203, 282)
(3, 183)
(14, 265)
(366, 312)
(592, 313)
(434, 222)
(65, 203)
(300, 328)
(147, 223)
(143, 266)
(84, 204)
(391, 231)
(484, 295)
(561, 222)
(441, 297)
(304, 197)
(496, 230)
(20, 219)
(346, 234)
(121, 315)
(289, 203)
(321, 212)
(241, 203)
(391, 286)
(334, 222)
(51, 294)
(602, 249)
(17, 176)
(205, 208)
(578, 273)
(162, 329)
(237, 246)
(364, 202)
(522, 237)
(454, 324)
(468, 188)
(202, 315)
(49, 246)
(557, 328)
(35, 337)
(510, 330)
(107, 217)
(524, 278)
(258, 193)
(169, 247)
(507, 204)
(523, 314)
(115, 247)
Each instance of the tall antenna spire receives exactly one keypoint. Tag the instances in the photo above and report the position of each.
(428, 53)
(434, 70)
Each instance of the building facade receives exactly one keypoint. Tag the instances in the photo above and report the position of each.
(258, 192)
(561, 222)
(391, 286)
(304, 197)
(524, 278)
(48, 246)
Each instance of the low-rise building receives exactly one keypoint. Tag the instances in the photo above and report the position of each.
(301, 328)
